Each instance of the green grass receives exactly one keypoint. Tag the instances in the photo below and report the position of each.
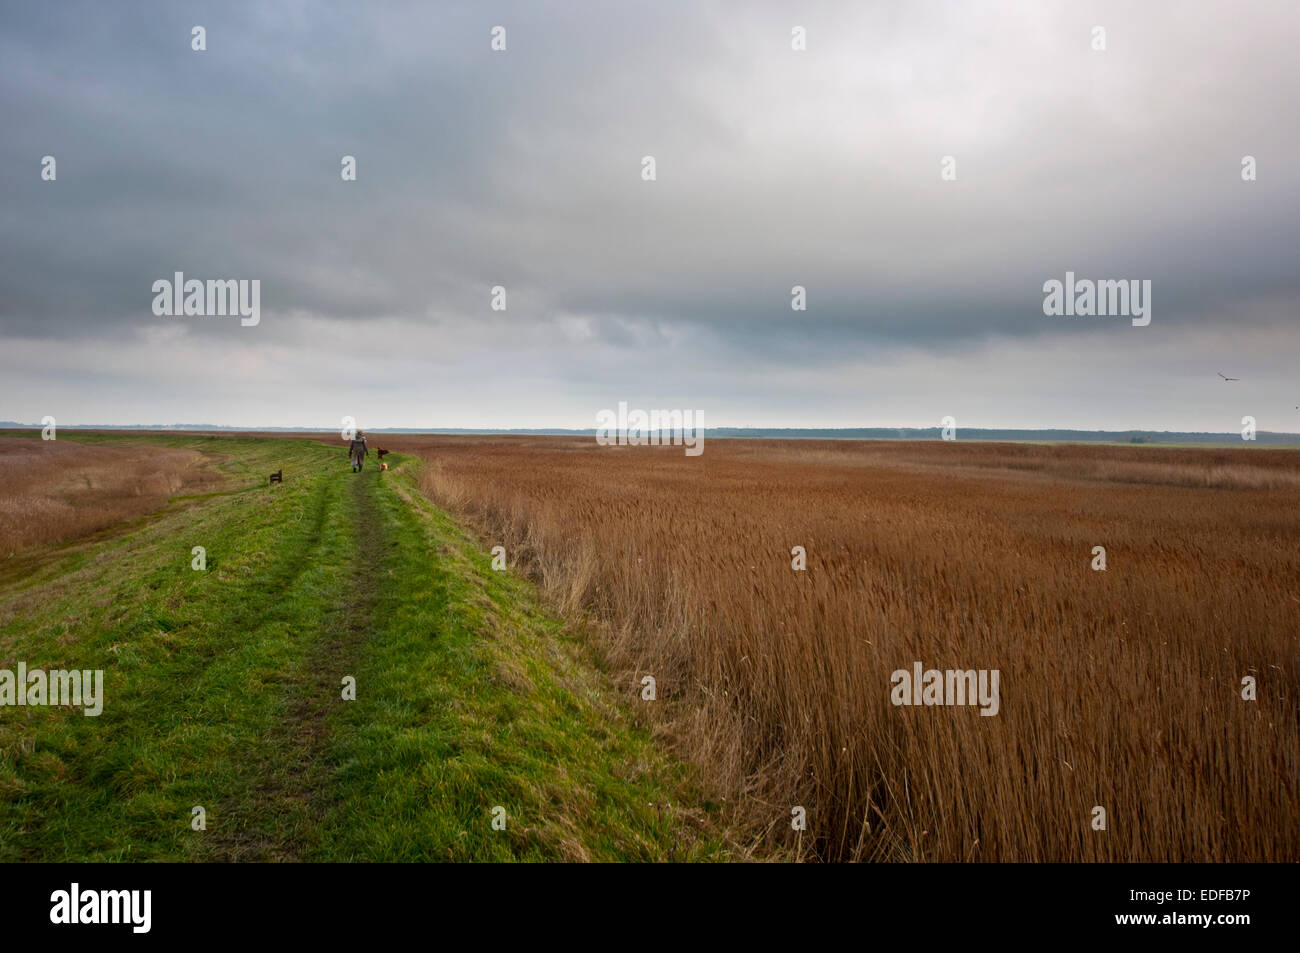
(223, 689)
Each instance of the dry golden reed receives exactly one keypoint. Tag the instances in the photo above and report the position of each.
(56, 490)
(1119, 688)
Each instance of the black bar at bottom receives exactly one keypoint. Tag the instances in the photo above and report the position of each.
(658, 904)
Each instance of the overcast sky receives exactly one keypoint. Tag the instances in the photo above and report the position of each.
(775, 167)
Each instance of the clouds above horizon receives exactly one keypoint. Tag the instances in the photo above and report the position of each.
(775, 168)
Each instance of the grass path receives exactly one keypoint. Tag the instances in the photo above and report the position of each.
(270, 821)
(223, 689)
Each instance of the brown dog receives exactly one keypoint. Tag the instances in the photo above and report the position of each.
(382, 465)
(380, 453)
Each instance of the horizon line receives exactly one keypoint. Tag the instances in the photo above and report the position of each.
(557, 430)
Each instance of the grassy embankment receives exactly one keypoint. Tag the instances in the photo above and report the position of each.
(223, 688)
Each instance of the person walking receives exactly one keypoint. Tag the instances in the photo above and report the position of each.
(358, 451)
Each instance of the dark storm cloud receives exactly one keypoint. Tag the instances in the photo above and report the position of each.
(775, 169)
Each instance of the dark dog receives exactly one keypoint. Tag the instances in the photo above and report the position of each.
(380, 453)
(277, 477)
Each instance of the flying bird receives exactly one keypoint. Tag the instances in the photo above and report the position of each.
(1230, 378)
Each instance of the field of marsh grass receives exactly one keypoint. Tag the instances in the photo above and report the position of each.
(56, 490)
(1120, 689)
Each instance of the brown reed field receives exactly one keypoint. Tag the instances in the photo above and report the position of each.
(52, 491)
(1120, 689)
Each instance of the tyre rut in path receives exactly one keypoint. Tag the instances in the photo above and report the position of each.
(293, 793)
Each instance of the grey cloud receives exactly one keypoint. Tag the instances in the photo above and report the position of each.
(522, 169)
